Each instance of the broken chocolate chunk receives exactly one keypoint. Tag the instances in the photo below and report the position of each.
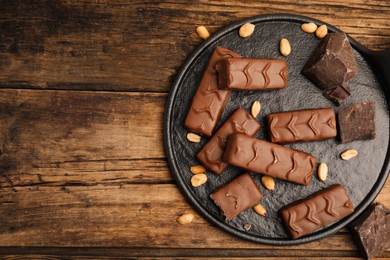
(357, 122)
(371, 230)
(237, 196)
(247, 227)
(331, 66)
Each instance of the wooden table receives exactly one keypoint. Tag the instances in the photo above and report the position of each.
(83, 87)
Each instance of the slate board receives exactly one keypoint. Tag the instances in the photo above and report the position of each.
(363, 177)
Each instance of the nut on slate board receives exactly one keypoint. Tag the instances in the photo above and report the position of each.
(322, 31)
(193, 138)
(196, 169)
(259, 209)
(285, 47)
(246, 30)
(309, 27)
(322, 171)
(268, 182)
(255, 109)
(198, 179)
(349, 154)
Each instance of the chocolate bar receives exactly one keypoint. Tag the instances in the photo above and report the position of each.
(211, 154)
(357, 122)
(237, 196)
(209, 101)
(251, 74)
(270, 159)
(332, 66)
(318, 210)
(302, 125)
(371, 230)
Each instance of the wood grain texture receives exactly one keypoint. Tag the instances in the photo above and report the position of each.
(139, 45)
(187, 253)
(135, 216)
(83, 174)
(87, 136)
(70, 178)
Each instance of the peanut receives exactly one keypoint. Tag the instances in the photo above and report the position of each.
(259, 209)
(196, 169)
(255, 109)
(309, 27)
(322, 31)
(285, 47)
(349, 154)
(198, 179)
(322, 171)
(185, 218)
(193, 138)
(246, 30)
(202, 32)
(268, 182)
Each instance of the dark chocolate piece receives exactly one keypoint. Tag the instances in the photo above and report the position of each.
(211, 154)
(371, 230)
(302, 125)
(252, 74)
(247, 227)
(318, 210)
(357, 122)
(237, 196)
(269, 158)
(331, 66)
(209, 101)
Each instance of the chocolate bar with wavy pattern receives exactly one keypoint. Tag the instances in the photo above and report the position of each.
(270, 159)
(252, 74)
(318, 210)
(239, 122)
(302, 125)
(209, 101)
(237, 196)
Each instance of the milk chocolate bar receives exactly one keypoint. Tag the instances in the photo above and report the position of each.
(251, 74)
(318, 210)
(357, 122)
(239, 122)
(332, 66)
(209, 101)
(270, 159)
(237, 196)
(371, 230)
(302, 125)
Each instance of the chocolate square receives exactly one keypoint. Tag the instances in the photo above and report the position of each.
(371, 230)
(332, 66)
(357, 122)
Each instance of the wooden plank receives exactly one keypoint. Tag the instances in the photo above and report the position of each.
(139, 45)
(82, 169)
(57, 137)
(175, 254)
(130, 215)
(185, 253)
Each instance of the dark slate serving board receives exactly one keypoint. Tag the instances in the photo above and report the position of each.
(362, 176)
